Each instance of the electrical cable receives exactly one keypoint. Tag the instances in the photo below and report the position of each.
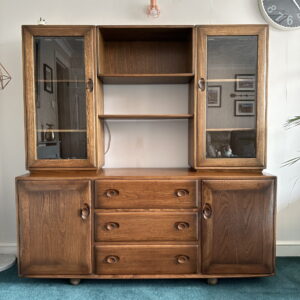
(109, 137)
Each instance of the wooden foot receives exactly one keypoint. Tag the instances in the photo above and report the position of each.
(74, 281)
(212, 281)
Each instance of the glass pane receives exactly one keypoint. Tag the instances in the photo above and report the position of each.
(60, 98)
(231, 96)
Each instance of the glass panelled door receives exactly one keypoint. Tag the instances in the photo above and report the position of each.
(231, 92)
(61, 127)
(59, 95)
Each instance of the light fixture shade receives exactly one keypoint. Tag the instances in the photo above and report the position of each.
(5, 77)
(153, 9)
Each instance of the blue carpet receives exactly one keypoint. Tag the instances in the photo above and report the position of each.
(285, 285)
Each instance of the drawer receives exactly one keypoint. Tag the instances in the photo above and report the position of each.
(146, 259)
(146, 226)
(146, 194)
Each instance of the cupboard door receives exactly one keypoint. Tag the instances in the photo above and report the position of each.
(54, 227)
(232, 63)
(59, 74)
(238, 227)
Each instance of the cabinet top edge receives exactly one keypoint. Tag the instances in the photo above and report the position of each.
(143, 173)
(143, 26)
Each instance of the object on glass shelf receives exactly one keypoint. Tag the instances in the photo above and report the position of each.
(5, 77)
(49, 134)
(153, 9)
(245, 83)
(227, 151)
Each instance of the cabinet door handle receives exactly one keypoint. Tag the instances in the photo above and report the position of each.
(85, 211)
(207, 211)
(111, 226)
(182, 259)
(111, 193)
(182, 225)
(90, 85)
(181, 193)
(112, 259)
(201, 84)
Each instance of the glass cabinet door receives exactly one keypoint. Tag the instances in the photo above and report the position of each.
(62, 78)
(232, 96)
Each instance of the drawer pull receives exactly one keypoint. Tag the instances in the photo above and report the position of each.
(182, 259)
(111, 193)
(182, 225)
(85, 211)
(112, 259)
(207, 211)
(111, 226)
(182, 193)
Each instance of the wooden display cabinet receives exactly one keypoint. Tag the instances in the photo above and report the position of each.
(214, 220)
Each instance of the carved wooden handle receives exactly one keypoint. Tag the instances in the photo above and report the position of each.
(182, 225)
(90, 85)
(112, 259)
(111, 193)
(182, 193)
(85, 211)
(111, 226)
(201, 84)
(182, 259)
(207, 211)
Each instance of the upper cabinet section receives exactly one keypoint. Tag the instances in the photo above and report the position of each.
(163, 54)
(59, 69)
(231, 96)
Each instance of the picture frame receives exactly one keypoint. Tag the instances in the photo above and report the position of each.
(244, 108)
(48, 78)
(245, 83)
(214, 95)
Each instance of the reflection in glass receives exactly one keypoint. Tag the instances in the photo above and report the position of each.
(60, 98)
(231, 96)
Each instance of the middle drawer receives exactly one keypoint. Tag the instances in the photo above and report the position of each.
(146, 226)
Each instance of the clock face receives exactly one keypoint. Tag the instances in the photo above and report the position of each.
(284, 13)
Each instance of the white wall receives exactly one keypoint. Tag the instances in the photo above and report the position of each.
(284, 89)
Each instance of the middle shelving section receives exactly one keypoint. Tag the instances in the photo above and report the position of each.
(147, 74)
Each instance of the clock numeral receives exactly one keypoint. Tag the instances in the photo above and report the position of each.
(280, 16)
(290, 20)
(271, 9)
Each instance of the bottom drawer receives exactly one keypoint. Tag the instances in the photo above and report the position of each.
(146, 259)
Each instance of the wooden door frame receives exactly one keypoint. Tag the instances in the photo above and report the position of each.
(28, 34)
(262, 68)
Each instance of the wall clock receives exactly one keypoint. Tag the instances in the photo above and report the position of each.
(282, 14)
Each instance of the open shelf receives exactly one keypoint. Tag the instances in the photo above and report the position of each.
(146, 78)
(145, 52)
(147, 117)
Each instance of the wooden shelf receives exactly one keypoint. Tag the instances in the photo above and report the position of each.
(226, 80)
(174, 78)
(61, 130)
(229, 129)
(147, 117)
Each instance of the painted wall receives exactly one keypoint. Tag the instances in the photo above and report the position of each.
(284, 91)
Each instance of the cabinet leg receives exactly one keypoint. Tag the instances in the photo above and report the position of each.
(74, 281)
(212, 281)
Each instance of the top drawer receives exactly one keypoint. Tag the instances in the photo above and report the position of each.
(146, 194)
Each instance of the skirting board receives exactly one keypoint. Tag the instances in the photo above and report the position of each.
(283, 248)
